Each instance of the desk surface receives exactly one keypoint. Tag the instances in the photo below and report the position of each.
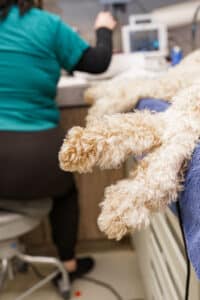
(71, 89)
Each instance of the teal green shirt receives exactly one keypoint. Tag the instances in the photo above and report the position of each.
(33, 50)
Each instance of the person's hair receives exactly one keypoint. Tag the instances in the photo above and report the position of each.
(24, 6)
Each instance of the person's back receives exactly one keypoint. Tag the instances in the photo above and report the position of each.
(34, 46)
(30, 61)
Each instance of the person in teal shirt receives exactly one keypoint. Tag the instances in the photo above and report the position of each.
(35, 46)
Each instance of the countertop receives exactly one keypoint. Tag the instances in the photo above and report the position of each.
(71, 88)
(70, 92)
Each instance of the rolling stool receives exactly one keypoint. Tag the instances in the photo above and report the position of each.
(16, 219)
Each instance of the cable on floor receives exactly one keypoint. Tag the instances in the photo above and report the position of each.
(187, 286)
(104, 285)
(89, 279)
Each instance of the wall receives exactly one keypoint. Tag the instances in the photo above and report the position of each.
(82, 13)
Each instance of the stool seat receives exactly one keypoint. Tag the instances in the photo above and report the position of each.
(14, 225)
(19, 217)
(34, 208)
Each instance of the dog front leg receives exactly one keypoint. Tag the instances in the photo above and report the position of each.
(110, 140)
(121, 211)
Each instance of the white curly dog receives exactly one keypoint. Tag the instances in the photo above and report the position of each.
(112, 135)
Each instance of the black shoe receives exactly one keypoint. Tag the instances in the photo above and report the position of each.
(84, 266)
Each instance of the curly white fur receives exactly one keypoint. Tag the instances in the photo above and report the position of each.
(110, 141)
(117, 97)
(168, 137)
(156, 183)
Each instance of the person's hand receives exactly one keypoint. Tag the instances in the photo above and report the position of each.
(106, 20)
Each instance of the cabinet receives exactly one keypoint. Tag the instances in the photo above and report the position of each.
(161, 257)
(91, 186)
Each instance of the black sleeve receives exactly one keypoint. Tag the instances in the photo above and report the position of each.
(97, 60)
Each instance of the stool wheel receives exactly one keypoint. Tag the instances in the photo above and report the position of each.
(62, 287)
(22, 267)
(65, 295)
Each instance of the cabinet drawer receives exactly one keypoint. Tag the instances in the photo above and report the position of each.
(173, 255)
(163, 273)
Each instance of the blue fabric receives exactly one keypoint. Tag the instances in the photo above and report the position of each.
(190, 197)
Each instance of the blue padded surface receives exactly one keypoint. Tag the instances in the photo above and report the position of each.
(190, 197)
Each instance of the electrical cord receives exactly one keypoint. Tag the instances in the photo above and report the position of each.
(194, 27)
(112, 290)
(86, 278)
(187, 286)
(104, 285)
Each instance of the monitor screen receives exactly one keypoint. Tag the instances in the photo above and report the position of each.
(144, 40)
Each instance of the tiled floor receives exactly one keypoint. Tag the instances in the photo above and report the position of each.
(118, 269)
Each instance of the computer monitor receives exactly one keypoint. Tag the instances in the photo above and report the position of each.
(147, 38)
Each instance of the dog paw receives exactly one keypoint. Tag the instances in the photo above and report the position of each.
(120, 213)
(79, 151)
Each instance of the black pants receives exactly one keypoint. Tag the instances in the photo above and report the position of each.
(64, 223)
(30, 170)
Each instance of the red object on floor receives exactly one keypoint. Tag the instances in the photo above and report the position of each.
(78, 294)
